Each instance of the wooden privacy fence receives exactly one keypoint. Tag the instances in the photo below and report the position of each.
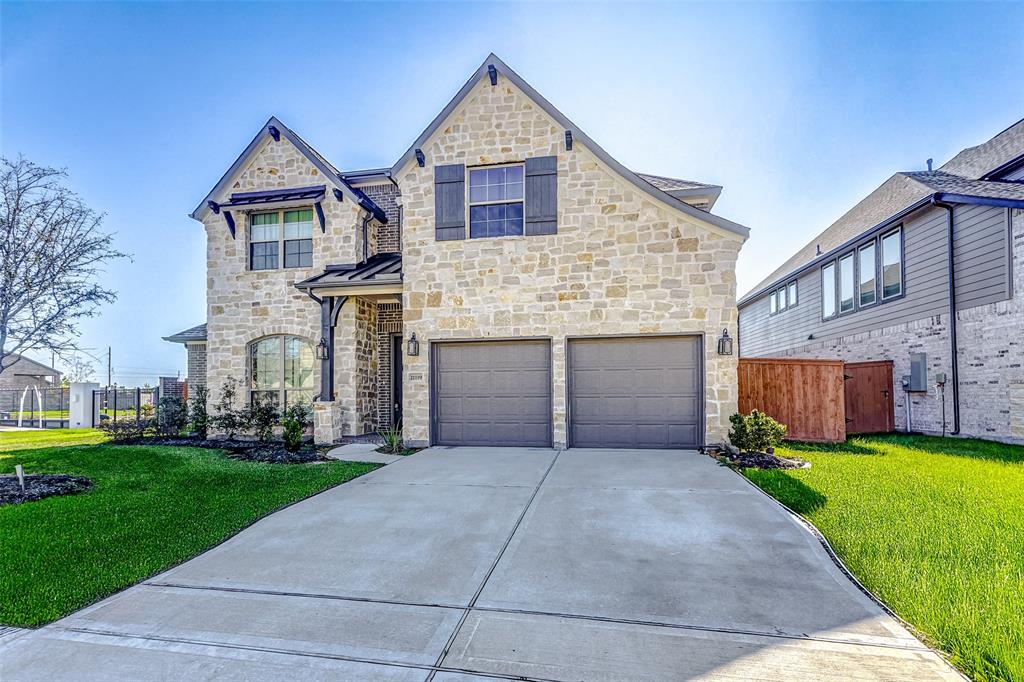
(805, 395)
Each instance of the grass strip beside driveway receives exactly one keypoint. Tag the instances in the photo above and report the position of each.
(934, 527)
(150, 508)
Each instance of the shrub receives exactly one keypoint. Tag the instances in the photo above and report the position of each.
(198, 417)
(755, 432)
(295, 420)
(261, 417)
(171, 416)
(392, 439)
(126, 430)
(228, 418)
(147, 410)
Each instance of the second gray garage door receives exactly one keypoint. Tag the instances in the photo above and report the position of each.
(643, 392)
(492, 393)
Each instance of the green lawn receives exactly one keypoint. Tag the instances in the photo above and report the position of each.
(150, 508)
(934, 527)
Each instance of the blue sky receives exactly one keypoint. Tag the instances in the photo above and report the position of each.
(798, 110)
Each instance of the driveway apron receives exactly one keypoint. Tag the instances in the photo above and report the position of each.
(460, 564)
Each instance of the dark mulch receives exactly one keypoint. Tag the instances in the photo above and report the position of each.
(758, 460)
(249, 450)
(402, 451)
(276, 454)
(38, 486)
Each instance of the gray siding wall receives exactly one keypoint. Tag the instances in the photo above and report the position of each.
(983, 271)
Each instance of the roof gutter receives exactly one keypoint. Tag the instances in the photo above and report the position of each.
(936, 200)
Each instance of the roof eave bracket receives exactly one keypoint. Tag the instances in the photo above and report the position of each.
(231, 223)
(320, 217)
(492, 73)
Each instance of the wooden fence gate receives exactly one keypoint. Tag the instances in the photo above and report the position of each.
(868, 391)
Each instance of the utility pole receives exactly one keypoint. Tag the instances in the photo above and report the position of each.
(110, 370)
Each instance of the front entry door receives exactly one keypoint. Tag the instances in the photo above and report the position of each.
(396, 379)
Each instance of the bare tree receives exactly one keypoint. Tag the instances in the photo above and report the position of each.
(79, 369)
(52, 252)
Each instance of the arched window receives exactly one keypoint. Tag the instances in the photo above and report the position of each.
(282, 368)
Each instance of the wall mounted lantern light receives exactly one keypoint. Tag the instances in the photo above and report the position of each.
(725, 343)
(413, 346)
(322, 351)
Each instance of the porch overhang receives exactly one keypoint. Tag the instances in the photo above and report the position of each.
(381, 275)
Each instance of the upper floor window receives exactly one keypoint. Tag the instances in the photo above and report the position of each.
(281, 368)
(866, 279)
(496, 201)
(782, 298)
(859, 278)
(828, 291)
(267, 241)
(892, 264)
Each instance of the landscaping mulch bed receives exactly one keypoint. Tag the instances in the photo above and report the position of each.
(249, 450)
(757, 460)
(403, 451)
(38, 486)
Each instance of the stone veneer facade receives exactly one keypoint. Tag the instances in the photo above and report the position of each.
(245, 305)
(990, 350)
(621, 263)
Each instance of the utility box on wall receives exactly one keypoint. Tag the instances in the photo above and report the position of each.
(918, 372)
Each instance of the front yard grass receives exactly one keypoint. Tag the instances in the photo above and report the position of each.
(150, 508)
(934, 527)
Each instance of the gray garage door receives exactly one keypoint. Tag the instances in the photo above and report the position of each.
(492, 393)
(636, 392)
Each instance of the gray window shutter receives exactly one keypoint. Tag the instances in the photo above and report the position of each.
(542, 195)
(450, 202)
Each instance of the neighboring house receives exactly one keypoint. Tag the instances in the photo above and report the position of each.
(194, 340)
(25, 372)
(506, 282)
(882, 281)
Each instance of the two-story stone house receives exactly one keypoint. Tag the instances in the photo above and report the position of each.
(506, 282)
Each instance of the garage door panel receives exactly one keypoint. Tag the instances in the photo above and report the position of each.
(492, 393)
(636, 392)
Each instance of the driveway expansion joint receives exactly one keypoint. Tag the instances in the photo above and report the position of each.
(494, 565)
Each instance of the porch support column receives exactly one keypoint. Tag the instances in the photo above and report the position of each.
(327, 363)
(330, 306)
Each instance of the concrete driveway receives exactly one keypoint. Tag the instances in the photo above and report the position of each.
(470, 564)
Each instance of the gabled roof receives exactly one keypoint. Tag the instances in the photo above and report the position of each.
(980, 160)
(28, 367)
(578, 136)
(326, 169)
(913, 190)
(382, 268)
(196, 333)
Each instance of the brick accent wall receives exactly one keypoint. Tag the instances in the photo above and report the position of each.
(389, 321)
(387, 196)
(171, 387)
(196, 364)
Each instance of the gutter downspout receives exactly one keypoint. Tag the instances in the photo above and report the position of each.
(954, 360)
(366, 232)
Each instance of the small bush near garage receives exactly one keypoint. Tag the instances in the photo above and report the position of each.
(756, 432)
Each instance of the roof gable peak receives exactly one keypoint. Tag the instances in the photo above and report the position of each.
(275, 129)
(493, 66)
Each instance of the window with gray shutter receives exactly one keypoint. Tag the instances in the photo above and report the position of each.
(450, 202)
(542, 195)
